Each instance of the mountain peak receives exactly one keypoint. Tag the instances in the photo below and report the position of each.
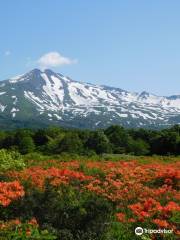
(49, 72)
(50, 97)
(144, 94)
(39, 71)
(35, 70)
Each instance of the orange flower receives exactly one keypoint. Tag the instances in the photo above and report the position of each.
(33, 221)
(10, 191)
(121, 217)
(161, 223)
(145, 192)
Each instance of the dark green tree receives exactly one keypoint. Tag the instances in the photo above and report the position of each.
(138, 147)
(118, 137)
(98, 142)
(40, 137)
(70, 143)
(26, 145)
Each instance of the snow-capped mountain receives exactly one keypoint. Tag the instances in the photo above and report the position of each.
(40, 98)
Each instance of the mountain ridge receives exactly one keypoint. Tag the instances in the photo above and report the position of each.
(51, 98)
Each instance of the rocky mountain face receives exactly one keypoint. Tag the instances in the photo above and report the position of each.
(40, 98)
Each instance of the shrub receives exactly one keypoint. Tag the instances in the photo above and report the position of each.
(65, 211)
(10, 161)
(26, 145)
(23, 231)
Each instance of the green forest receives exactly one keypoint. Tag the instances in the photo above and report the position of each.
(112, 140)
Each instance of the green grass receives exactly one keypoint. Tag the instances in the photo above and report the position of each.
(38, 158)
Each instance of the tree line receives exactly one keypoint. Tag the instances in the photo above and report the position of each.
(114, 139)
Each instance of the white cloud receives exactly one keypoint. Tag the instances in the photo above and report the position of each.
(54, 59)
(7, 53)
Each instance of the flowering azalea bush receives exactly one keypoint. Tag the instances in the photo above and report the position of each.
(14, 229)
(144, 194)
(10, 191)
(94, 200)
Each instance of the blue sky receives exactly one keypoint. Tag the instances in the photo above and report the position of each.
(134, 45)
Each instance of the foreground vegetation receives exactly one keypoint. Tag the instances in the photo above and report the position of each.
(86, 199)
(89, 185)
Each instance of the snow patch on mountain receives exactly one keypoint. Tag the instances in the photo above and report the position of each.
(14, 110)
(53, 89)
(17, 78)
(2, 107)
(58, 98)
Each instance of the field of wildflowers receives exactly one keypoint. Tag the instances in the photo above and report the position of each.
(90, 200)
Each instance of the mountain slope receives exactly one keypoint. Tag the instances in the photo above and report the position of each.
(40, 98)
